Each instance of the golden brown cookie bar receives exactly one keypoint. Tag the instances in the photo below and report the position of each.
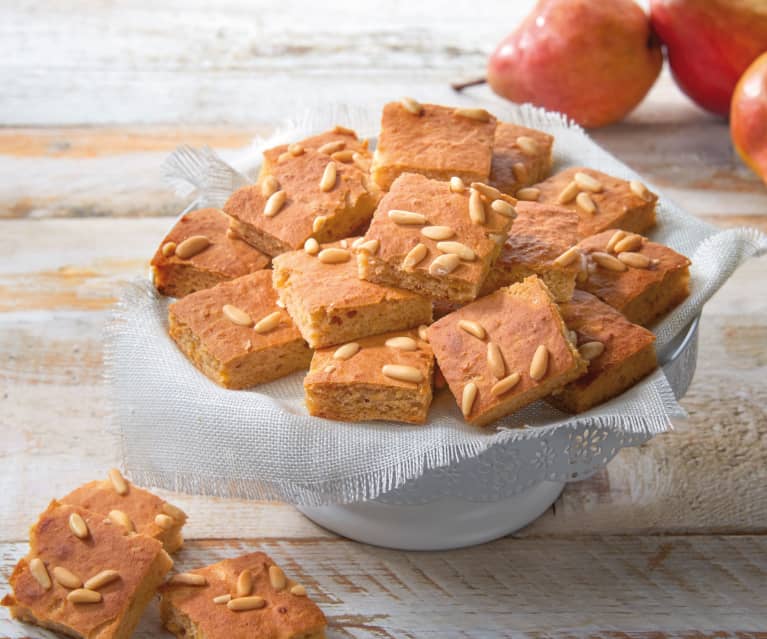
(436, 141)
(642, 279)
(540, 235)
(199, 252)
(602, 201)
(521, 157)
(436, 238)
(331, 305)
(236, 333)
(248, 597)
(315, 196)
(504, 351)
(133, 507)
(385, 377)
(84, 576)
(619, 353)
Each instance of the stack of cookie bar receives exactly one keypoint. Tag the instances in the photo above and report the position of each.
(337, 260)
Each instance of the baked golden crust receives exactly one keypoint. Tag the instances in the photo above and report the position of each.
(437, 143)
(512, 167)
(356, 389)
(641, 294)
(518, 319)
(189, 611)
(140, 561)
(224, 259)
(617, 206)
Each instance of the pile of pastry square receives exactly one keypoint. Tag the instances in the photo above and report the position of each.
(543, 286)
(98, 556)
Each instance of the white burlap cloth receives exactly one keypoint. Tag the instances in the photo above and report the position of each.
(180, 431)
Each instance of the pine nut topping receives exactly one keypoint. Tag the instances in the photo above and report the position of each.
(504, 208)
(188, 579)
(457, 185)
(346, 156)
(587, 183)
(540, 363)
(222, 599)
(422, 332)
(269, 185)
(174, 511)
(520, 172)
(268, 323)
(591, 350)
(277, 578)
(101, 579)
(121, 519)
(319, 223)
(361, 162)
(437, 232)
(40, 573)
(473, 114)
(78, 526)
(495, 361)
(118, 481)
(584, 201)
(528, 194)
(472, 328)
(640, 190)
(505, 385)
(239, 604)
(295, 149)
(164, 522)
(635, 260)
(344, 130)
(244, 583)
(83, 595)
(568, 193)
(476, 207)
(468, 395)
(312, 246)
(283, 157)
(444, 264)
(573, 337)
(168, 249)
(490, 192)
(583, 268)
(236, 315)
(370, 247)
(298, 590)
(415, 256)
(629, 243)
(66, 578)
(402, 373)
(334, 255)
(528, 145)
(328, 180)
(331, 147)
(191, 246)
(461, 250)
(406, 217)
(614, 239)
(568, 257)
(402, 343)
(607, 261)
(412, 105)
(275, 203)
(347, 351)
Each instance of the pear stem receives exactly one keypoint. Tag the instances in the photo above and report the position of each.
(460, 86)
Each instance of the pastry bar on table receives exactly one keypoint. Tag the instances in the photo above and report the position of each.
(237, 334)
(521, 157)
(619, 353)
(306, 194)
(133, 508)
(537, 245)
(600, 200)
(504, 351)
(84, 576)
(438, 239)
(385, 377)
(436, 141)
(642, 279)
(331, 305)
(199, 252)
(248, 597)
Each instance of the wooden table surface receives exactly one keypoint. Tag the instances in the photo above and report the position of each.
(668, 540)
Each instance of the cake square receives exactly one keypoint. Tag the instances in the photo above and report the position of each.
(84, 576)
(384, 377)
(600, 200)
(132, 507)
(521, 157)
(541, 235)
(619, 353)
(248, 597)
(199, 252)
(642, 279)
(436, 238)
(504, 351)
(236, 333)
(331, 305)
(436, 141)
(316, 197)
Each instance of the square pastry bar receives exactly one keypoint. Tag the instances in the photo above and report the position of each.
(237, 334)
(521, 157)
(438, 239)
(331, 305)
(504, 351)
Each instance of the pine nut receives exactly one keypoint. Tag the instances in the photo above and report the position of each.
(568, 193)
(573, 337)
(40, 573)
(528, 194)
(591, 350)
(344, 243)
(473, 114)
(331, 147)
(164, 522)
(344, 130)
(457, 185)
(277, 578)
(334, 255)
(587, 183)
(640, 190)
(540, 363)
(437, 232)
(236, 315)
(222, 599)
(269, 186)
(121, 519)
(402, 343)
(528, 145)
(329, 369)
(412, 105)
(244, 583)
(402, 373)
(444, 264)
(614, 239)
(283, 156)
(274, 203)
(476, 207)
(370, 247)
(188, 579)
(605, 260)
(495, 361)
(347, 351)
(520, 172)
(191, 246)
(568, 257)
(83, 595)
(298, 590)
(346, 156)
(629, 243)
(406, 217)
(319, 223)
(468, 395)
(472, 328)
(635, 260)
(168, 249)
(361, 162)
(240, 604)
(490, 192)
(268, 323)
(101, 579)
(328, 180)
(415, 256)
(78, 526)
(66, 578)
(461, 250)
(504, 208)
(295, 149)
(118, 481)
(423, 332)
(583, 269)
(584, 201)
(505, 385)
(312, 246)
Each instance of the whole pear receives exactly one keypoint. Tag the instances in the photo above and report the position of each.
(748, 117)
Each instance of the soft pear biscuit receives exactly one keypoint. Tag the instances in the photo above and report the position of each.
(521, 157)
